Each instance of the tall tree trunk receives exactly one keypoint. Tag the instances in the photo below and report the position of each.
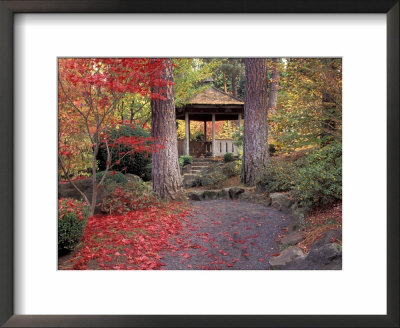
(255, 148)
(167, 181)
(274, 85)
(234, 85)
(224, 81)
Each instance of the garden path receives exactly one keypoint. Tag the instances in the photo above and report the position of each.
(225, 234)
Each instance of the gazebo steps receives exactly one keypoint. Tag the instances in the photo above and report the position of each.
(202, 160)
(195, 172)
(199, 166)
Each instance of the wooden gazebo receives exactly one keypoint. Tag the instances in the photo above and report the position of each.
(212, 105)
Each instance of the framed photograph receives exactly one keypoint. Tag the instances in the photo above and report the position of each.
(116, 113)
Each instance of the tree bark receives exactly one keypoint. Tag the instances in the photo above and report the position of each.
(255, 148)
(273, 90)
(224, 81)
(234, 86)
(167, 181)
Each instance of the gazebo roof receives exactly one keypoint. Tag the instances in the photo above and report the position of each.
(214, 96)
(211, 101)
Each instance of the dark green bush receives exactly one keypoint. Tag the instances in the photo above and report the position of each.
(271, 149)
(72, 218)
(228, 157)
(147, 176)
(116, 177)
(186, 159)
(135, 163)
(319, 178)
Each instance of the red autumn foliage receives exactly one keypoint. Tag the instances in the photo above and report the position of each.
(128, 242)
(89, 91)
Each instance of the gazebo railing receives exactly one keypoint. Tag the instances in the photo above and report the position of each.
(199, 148)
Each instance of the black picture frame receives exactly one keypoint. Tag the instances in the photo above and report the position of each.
(7, 197)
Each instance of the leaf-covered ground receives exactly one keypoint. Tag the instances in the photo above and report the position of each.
(319, 222)
(205, 235)
(227, 235)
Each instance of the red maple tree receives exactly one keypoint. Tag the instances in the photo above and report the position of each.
(89, 90)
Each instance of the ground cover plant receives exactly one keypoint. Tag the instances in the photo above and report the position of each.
(72, 219)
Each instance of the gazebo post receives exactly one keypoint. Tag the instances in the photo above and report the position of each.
(187, 132)
(213, 134)
(239, 120)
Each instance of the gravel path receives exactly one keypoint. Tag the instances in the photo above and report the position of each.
(225, 234)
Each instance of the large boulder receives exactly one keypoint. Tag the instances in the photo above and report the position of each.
(234, 192)
(326, 257)
(132, 177)
(248, 194)
(189, 180)
(196, 195)
(281, 201)
(296, 223)
(286, 257)
(328, 237)
(326, 254)
(67, 190)
(293, 238)
(223, 193)
(210, 194)
(267, 201)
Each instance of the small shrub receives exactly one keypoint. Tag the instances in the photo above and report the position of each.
(72, 218)
(279, 176)
(186, 159)
(211, 178)
(231, 169)
(271, 149)
(228, 157)
(319, 180)
(111, 177)
(132, 196)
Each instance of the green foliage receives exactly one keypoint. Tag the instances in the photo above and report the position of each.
(136, 163)
(279, 176)
(315, 180)
(132, 196)
(309, 109)
(188, 76)
(232, 169)
(212, 177)
(232, 67)
(228, 157)
(116, 177)
(147, 176)
(72, 218)
(186, 160)
(238, 136)
(319, 179)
